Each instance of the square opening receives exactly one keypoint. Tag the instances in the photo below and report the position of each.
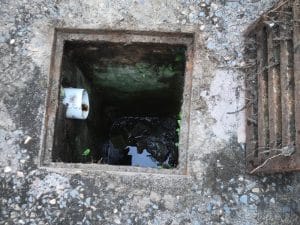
(133, 95)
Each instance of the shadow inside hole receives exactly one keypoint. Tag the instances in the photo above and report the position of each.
(135, 93)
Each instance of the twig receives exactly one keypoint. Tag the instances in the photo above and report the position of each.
(283, 3)
(241, 109)
(285, 151)
(237, 67)
(265, 162)
(266, 150)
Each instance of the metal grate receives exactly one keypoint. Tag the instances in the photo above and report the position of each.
(273, 90)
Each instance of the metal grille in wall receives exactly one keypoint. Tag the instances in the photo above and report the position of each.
(272, 54)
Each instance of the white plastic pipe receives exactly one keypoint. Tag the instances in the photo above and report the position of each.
(77, 102)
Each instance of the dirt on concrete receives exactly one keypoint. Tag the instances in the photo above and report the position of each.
(216, 189)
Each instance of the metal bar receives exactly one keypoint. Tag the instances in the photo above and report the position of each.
(251, 107)
(274, 92)
(296, 41)
(287, 80)
(263, 112)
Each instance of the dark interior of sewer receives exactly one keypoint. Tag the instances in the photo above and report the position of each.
(135, 93)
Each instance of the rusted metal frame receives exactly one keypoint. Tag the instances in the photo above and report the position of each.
(274, 91)
(190, 55)
(296, 41)
(287, 81)
(251, 112)
(60, 36)
(290, 58)
(185, 32)
(59, 141)
(116, 37)
(291, 163)
(263, 110)
(51, 101)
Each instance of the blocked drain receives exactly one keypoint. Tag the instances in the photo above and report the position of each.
(135, 93)
(139, 96)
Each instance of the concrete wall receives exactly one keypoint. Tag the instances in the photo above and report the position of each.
(216, 191)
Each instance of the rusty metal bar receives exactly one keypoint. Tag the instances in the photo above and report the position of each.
(296, 41)
(287, 79)
(251, 106)
(263, 111)
(274, 92)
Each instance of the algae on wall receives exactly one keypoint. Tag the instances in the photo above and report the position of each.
(132, 78)
(124, 82)
(134, 73)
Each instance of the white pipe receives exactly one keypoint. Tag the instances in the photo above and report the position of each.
(77, 102)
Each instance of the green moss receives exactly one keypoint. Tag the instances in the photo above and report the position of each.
(132, 78)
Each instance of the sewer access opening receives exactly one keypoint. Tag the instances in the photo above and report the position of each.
(135, 96)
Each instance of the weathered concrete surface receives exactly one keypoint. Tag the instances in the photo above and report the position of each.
(217, 191)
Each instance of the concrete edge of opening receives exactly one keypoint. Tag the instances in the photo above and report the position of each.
(64, 34)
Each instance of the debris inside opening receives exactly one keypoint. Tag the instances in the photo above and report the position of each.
(135, 93)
